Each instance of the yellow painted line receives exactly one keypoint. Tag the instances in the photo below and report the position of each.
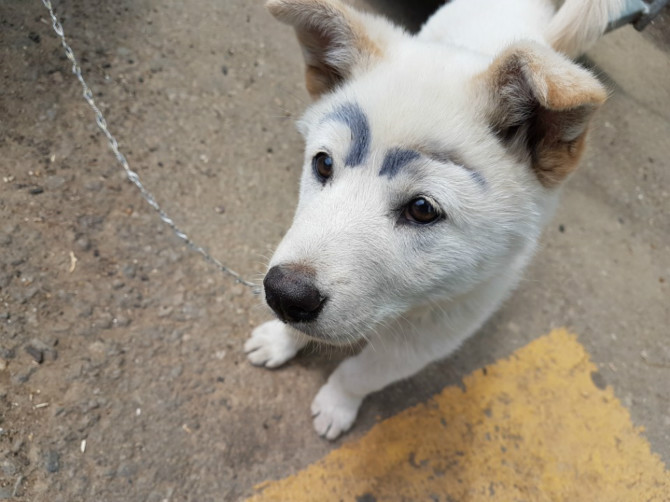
(530, 428)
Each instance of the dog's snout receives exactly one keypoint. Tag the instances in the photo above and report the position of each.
(291, 293)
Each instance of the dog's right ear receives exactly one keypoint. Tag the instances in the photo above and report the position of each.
(333, 37)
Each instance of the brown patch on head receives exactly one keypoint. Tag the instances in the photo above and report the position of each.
(540, 105)
(333, 38)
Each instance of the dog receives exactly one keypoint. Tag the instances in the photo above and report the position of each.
(432, 163)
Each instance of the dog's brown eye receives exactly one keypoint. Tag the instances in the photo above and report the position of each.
(323, 165)
(421, 211)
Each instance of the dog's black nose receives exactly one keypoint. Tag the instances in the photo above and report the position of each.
(290, 292)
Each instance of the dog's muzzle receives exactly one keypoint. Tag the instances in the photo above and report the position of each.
(291, 293)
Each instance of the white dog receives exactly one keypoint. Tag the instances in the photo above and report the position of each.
(432, 162)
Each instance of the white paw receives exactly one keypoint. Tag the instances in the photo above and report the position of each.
(334, 411)
(271, 345)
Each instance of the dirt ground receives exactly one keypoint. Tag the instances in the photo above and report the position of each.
(122, 376)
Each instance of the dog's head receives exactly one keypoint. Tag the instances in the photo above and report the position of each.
(428, 169)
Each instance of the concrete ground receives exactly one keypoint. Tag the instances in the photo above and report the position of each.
(122, 375)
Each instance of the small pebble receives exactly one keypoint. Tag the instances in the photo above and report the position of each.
(17, 445)
(175, 372)
(121, 321)
(24, 376)
(44, 342)
(129, 271)
(164, 311)
(35, 353)
(52, 461)
(127, 470)
(94, 186)
(84, 310)
(8, 467)
(5, 239)
(54, 182)
(105, 321)
(83, 243)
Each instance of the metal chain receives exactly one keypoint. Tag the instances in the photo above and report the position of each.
(132, 175)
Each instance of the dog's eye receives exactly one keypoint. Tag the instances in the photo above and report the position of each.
(421, 211)
(323, 166)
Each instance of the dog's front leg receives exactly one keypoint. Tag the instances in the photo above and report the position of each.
(273, 343)
(336, 404)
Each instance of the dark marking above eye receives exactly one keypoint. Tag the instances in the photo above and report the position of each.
(355, 119)
(395, 159)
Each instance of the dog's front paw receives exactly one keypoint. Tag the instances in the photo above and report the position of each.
(271, 345)
(334, 410)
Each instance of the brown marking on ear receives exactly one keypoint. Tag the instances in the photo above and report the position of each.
(333, 39)
(540, 106)
(364, 43)
(553, 165)
(317, 81)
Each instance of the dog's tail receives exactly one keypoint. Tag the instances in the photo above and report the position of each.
(579, 23)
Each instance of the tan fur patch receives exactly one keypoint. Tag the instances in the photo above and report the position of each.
(316, 81)
(556, 163)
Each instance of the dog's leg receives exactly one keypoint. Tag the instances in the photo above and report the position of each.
(273, 343)
(336, 404)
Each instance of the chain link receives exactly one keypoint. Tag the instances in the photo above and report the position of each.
(132, 175)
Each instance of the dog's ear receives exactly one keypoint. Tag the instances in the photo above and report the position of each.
(540, 105)
(333, 37)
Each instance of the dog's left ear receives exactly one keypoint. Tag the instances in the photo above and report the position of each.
(540, 105)
(334, 39)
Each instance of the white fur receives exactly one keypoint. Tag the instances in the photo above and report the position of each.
(579, 24)
(272, 344)
(415, 294)
(488, 26)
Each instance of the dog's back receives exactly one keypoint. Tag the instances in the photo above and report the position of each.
(488, 26)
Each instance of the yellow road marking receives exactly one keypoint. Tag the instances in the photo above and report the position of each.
(530, 428)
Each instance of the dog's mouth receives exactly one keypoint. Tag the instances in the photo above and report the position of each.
(310, 330)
